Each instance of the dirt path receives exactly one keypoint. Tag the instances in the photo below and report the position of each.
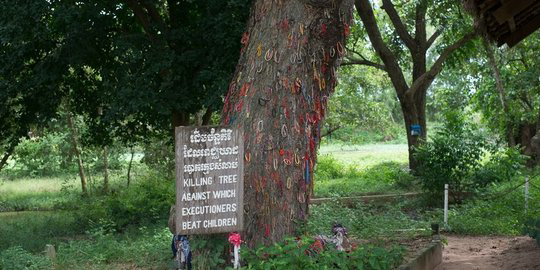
(490, 252)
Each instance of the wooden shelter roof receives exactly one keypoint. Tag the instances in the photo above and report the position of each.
(506, 21)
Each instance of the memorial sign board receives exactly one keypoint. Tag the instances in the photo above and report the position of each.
(209, 179)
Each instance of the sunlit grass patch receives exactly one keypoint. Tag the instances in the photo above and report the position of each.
(365, 156)
(335, 178)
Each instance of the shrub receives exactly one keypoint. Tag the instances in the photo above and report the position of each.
(502, 165)
(328, 167)
(452, 157)
(298, 254)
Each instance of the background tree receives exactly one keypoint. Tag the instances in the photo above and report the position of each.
(411, 75)
(520, 121)
(278, 95)
(132, 69)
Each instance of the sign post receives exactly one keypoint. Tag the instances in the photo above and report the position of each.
(209, 180)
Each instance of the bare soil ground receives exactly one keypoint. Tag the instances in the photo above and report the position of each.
(490, 253)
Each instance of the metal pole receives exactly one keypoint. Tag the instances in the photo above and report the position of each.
(446, 205)
(526, 193)
(236, 257)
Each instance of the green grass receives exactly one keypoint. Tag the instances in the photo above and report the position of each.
(385, 223)
(497, 212)
(52, 193)
(365, 156)
(32, 230)
(146, 247)
(95, 249)
(384, 178)
(29, 194)
(349, 170)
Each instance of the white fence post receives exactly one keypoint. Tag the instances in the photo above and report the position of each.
(526, 193)
(446, 205)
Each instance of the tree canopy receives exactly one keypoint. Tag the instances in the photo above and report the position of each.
(131, 67)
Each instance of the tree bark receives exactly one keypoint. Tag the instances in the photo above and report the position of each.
(278, 95)
(106, 187)
(75, 146)
(502, 95)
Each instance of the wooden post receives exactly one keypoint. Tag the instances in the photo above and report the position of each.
(50, 252)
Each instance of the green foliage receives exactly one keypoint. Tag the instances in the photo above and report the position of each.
(298, 254)
(49, 152)
(337, 179)
(519, 68)
(357, 135)
(17, 258)
(503, 165)
(364, 107)
(44, 155)
(209, 251)
(159, 155)
(127, 75)
(458, 156)
(145, 202)
(452, 157)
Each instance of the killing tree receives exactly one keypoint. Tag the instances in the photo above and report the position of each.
(285, 75)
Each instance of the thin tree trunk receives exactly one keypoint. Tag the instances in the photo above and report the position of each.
(91, 178)
(129, 167)
(278, 95)
(502, 96)
(106, 170)
(8, 153)
(75, 146)
(207, 117)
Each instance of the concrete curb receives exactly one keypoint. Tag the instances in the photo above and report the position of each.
(427, 259)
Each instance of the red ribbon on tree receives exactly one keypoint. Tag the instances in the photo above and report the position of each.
(235, 239)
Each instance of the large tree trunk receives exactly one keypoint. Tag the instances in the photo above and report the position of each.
(414, 114)
(75, 146)
(285, 74)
